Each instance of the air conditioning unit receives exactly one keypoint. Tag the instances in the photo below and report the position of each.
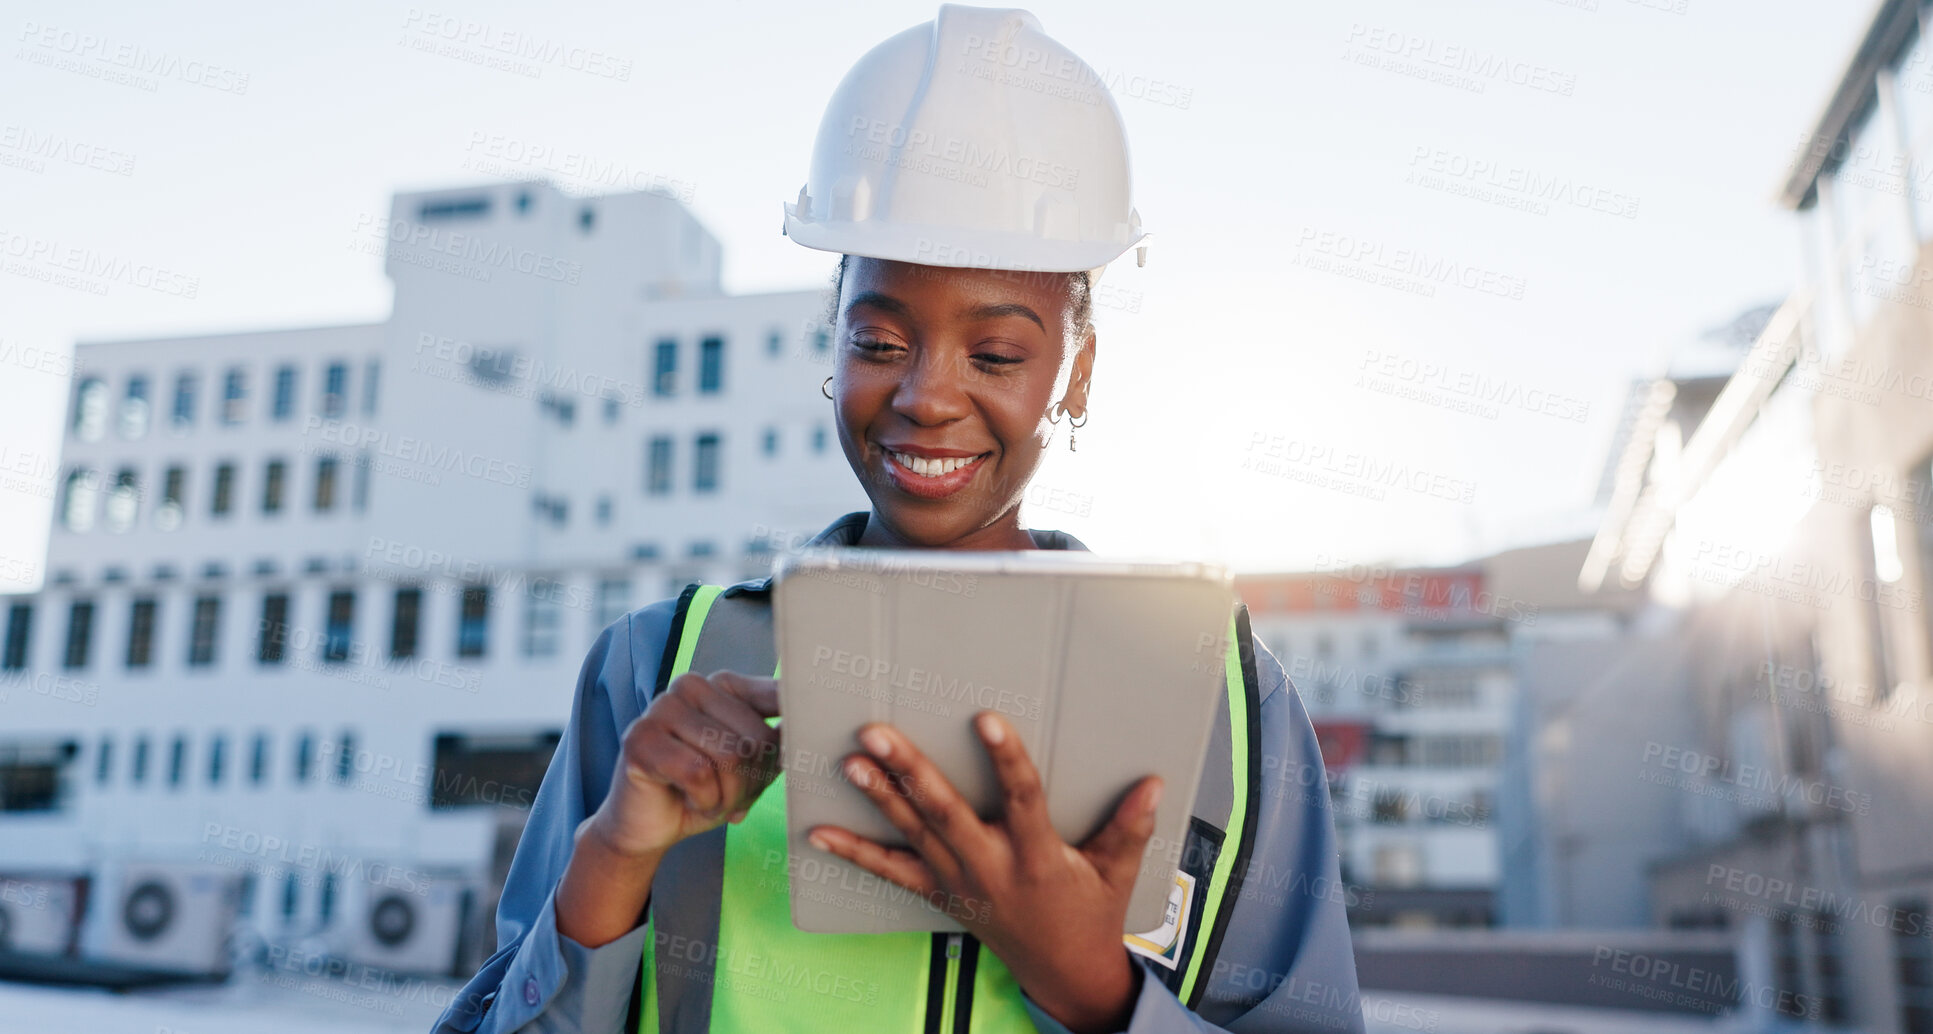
(38, 913)
(160, 916)
(406, 922)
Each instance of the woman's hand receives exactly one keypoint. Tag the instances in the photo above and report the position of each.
(1052, 912)
(698, 756)
(701, 753)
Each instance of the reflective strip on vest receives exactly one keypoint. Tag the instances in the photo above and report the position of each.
(762, 973)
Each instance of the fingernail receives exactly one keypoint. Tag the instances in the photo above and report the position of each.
(994, 729)
(820, 841)
(876, 742)
(1154, 796)
(858, 774)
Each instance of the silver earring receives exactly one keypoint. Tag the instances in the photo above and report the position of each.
(1072, 426)
(826, 388)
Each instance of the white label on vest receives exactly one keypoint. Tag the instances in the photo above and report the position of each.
(1163, 944)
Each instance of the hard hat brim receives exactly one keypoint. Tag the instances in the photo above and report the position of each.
(955, 248)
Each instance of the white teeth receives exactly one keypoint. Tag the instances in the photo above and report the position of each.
(931, 468)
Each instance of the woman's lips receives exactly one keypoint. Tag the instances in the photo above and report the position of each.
(930, 478)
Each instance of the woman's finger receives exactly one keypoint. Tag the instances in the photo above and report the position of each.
(888, 863)
(1115, 850)
(889, 795)
(932, 796)
(759, 693)
(663, 757)
(1025, 802)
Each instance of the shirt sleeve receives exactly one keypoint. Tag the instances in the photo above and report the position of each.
(539, 980)
(1286, 963)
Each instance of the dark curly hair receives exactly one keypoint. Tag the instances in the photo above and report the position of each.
(1080, 319)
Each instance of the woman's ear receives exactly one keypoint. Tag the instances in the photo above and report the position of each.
(1075, 401)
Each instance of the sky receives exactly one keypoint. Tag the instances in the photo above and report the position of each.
(1407, 255)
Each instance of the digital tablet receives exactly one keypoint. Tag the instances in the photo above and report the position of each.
(1108, 670)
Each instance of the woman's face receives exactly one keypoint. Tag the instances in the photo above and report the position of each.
(943, 385)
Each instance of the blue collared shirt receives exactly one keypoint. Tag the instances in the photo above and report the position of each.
(1285, 961)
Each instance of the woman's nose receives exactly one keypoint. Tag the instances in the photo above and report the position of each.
(932, 391)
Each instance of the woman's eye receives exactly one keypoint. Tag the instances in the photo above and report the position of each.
(995, 359)
(873, 345)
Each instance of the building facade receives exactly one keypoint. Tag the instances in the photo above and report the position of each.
(318, 597)
(1793, 530)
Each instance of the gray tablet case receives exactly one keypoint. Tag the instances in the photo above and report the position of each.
(1109, 671)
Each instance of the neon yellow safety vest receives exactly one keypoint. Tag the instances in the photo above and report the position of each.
(723, 954)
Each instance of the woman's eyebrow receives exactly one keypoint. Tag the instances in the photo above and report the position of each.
(988, 312)
(880, 301)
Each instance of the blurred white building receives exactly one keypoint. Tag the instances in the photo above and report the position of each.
(1790, 523)
(318, 597)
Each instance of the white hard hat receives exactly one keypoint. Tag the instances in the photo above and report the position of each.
(974, 140)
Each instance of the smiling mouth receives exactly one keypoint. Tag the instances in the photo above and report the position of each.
(932, 468)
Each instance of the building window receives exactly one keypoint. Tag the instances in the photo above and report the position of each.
(274, 483)
(664, 375)
(325, 905)
(1830, 966)
(138, 772)
(283, 406)
(771, 446)
(272, 635)
(403, 622)
(325, 484)
(304, 757)
(341, 625)
(1913, 961)
(704, 472)
(174, 486)
(586, 218)
(32, 777)
(217, 758)
(454, 208)
(141, 633)
(359, 492)
(183, 413)
(104, 761)
(335, 390)
(177, 760)
(224, 495)
(473, 621)
(711, 365)
(90, 409)
(543, 614)
(77, 509)
(201, 637)
(345, 756)
(20, 625)
(603, 510)
(80, 631)
(234, 395)
(821, 339)
(818, 440)
(135, 409)
(657, 466)
(613, 600)
(774, 341)
(1887, 570)
(370, 370)
(123, 500)
(258, 759)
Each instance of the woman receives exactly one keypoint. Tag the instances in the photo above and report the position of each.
(973, 175)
